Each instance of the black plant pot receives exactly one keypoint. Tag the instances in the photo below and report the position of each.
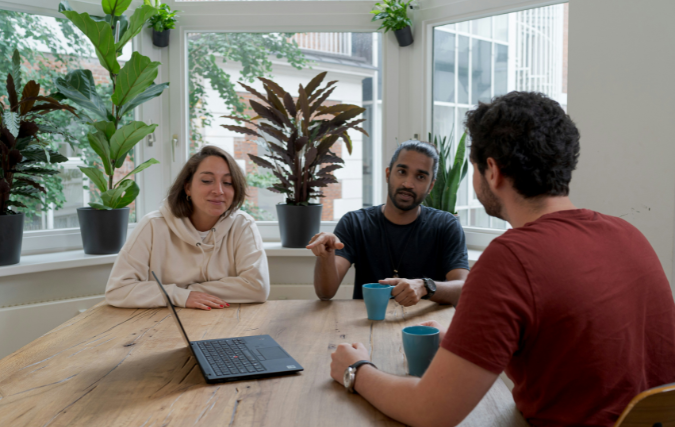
(160, 38)
(11, 237)
(404, 36)
(297, 224)
(103, 232)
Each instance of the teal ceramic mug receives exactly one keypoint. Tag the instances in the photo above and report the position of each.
(420, 344)
(376, 297)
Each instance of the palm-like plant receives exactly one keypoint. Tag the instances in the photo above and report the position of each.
(21, 150)
(299, 135)
(450, 174)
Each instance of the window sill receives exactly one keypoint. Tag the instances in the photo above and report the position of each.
(74, 259)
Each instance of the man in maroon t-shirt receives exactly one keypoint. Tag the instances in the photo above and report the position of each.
(572, 304)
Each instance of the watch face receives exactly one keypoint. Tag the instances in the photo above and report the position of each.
(345, 378)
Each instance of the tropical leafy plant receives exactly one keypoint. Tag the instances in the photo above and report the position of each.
(393, 13)
(450, 174)
(299, 135)
(165, 19)
(132, 84)
(22, 153)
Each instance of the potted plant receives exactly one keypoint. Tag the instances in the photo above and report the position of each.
(104, 225)
(161, 23)
(394, 16)
(22, 155)
(450, 173)
(299, 133)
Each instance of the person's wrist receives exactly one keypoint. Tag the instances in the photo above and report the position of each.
(421, 289)
(362, 371)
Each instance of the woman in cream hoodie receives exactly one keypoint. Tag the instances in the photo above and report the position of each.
(206, 252)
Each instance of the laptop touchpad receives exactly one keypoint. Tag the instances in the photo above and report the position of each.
(272, 352)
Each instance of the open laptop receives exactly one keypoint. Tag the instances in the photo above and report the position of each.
(234, 359)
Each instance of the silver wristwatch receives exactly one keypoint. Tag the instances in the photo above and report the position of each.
(350, 374)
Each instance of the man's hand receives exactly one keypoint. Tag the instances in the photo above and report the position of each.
(345, 356)
(406, 292)
(204, 301)
(324, 244)
(435, 324)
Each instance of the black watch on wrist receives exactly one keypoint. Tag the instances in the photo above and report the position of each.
(349, 377)
(430, 286)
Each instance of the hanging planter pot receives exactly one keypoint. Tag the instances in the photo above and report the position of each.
(103, 231)
(11, 237)
(160, 38)
(404, 36)
(298, 224)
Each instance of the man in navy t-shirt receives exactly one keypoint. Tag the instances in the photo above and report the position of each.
(419, 250)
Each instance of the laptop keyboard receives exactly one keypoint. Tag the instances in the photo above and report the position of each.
(230, 357)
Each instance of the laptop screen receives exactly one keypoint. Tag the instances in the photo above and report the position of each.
(172, 310)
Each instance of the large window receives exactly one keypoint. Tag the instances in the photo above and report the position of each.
(217, 61)
(477, 60)
(49, 48)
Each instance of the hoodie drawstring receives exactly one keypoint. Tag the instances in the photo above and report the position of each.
(205, 263)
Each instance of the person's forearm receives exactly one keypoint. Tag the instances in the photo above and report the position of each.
(448, 292)
(326, 277)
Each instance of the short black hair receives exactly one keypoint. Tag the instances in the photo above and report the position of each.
(530, 137)
(421, 147)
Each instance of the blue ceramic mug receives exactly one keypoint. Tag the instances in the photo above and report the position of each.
(420, 344)
(376, 297)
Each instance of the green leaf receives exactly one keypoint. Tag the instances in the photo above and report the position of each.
(96, 176)
(37, 171)
(11, 120)
(99, 143)
(124, 193)
(99, 206)
(151, 92)
(120, 160)
(136, 22)
(38, 154)
(108, 128)
(135, 77)
(79, 87)
(64, 6)
(450, 193)
(141, 167)
(16, 70)
(101, 36)
(127, 136)
(115, 7)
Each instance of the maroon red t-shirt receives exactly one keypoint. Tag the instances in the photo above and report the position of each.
(577, 310)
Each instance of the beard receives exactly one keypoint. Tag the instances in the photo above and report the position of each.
(405, 205)
(490, 202)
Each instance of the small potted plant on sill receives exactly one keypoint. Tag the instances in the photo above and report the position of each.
(162, 23)
(450, 174)
(394, 16)
(299, 134)
(23, 155)
(104, 225)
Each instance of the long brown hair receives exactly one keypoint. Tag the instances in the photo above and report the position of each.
(178, 202)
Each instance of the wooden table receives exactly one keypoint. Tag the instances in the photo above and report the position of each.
(125, 367)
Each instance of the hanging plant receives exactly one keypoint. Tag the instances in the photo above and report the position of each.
(394, 17)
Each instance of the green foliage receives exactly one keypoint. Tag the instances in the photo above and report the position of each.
(450, 173)
(112, 138)
(393, 13)
(165, 19)
(299, 135)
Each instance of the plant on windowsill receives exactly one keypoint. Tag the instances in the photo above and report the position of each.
(394, 16)
(22, 155)
(450, 174)
(299, 136)
(104, 225)
(162, 23)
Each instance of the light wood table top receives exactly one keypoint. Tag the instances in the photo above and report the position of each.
(126, 367)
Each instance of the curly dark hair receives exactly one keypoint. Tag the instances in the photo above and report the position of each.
(530, 137)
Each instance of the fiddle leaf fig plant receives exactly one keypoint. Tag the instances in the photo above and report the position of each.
(133, 84)
(450, 173)
(299, 133)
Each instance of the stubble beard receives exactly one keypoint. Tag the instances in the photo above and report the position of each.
(490, 202)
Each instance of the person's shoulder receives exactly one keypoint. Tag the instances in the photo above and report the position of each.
(242, 218)
(152, 219)
(361, 215)
(439, 217)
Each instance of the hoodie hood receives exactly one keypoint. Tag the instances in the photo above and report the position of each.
(184, 230)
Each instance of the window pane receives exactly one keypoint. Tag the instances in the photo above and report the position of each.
(444, 66)
(482, 27)
(501, 69)
(463, 70)
(217, 61)
(501, 27)
(444, 121)
(50, 48)
(481, 71)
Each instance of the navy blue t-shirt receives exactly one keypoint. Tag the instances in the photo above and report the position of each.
(429, 247)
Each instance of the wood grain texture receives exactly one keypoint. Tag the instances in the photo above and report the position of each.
(125, 367)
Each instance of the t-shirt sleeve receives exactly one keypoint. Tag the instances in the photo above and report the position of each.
(496, 311)
(344, 230)
(456, 255)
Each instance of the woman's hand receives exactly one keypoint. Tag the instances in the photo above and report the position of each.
(204, 301)
(435, 324)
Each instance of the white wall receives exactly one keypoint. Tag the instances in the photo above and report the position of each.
(622, 98)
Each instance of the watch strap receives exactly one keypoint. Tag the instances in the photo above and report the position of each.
(430, 292)
(354, 367)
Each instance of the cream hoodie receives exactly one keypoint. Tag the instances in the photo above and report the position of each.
(230, 263)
